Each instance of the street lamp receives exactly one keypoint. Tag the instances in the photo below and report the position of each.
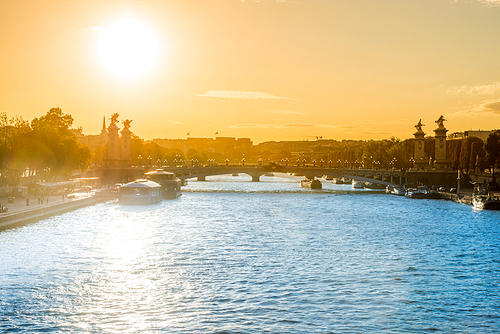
(139, 158)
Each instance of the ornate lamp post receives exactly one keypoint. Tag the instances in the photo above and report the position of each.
(149, 161)
(139, 159)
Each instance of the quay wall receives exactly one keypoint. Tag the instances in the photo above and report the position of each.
(14, 219)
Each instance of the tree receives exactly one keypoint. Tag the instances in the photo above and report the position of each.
(54, 148)
(493, 152)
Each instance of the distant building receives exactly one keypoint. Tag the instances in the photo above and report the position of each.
(219, 144)
(481, 134)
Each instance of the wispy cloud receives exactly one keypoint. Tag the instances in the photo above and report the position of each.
(477, 89)
(94, 29)
(487, 106)
(296, 125)
(285, 112)
(176, 122)
(490, 3)
(229, 94)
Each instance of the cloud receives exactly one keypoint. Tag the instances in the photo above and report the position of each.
(228, 94)
(297, 125)
(92, 29)
(490, 3)
(176, 122)
(285, 112)
(487, 106)
(477, 89)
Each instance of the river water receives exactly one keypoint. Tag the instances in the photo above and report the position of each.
(234, 256)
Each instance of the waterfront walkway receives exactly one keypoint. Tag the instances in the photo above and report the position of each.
(19, 212)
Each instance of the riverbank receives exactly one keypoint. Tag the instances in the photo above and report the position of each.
(22, 212)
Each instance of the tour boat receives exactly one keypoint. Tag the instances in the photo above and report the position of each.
(140, 192)
(170, 184)
(311, 183)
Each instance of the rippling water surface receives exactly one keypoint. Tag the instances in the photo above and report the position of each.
(234, 256)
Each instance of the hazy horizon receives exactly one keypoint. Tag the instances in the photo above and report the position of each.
(265, 70)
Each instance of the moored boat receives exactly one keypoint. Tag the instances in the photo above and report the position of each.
(170, 184)
(486, 202)
(140, 192)
(311, 183)
(341, 180)
(398, 190)
(418, 193)
(357, 184)
(374, 186)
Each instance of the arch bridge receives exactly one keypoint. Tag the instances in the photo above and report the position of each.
(384, 177)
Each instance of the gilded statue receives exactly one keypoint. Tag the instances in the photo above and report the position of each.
(440, 122)
(114, 118)
(126, 123)
(419, 126)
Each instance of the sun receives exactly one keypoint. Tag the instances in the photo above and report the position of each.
(128, 48)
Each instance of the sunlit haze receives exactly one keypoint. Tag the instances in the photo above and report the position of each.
(128, 49)
(265, 70)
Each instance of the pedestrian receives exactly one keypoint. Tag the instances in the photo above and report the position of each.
(27, 201)
(47, 201)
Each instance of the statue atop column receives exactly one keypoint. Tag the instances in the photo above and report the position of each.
(419, 152)
(440, 122)
(126, 123)
(114, 118)
(419, 126)
(442, 161)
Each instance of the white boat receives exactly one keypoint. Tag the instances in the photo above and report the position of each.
(140, 192)
(486, 202)
(399, 191)
(170, 184)
(357, 184)
(419, 192)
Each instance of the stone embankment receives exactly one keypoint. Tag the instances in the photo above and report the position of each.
(22, 211)
(465, 198)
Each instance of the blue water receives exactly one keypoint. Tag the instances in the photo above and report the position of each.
(234, 256)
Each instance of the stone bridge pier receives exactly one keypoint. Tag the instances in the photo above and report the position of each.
(255, 176)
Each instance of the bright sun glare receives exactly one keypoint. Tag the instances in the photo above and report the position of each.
(128, 48)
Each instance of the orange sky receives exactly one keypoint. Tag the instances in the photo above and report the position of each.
(268, 70)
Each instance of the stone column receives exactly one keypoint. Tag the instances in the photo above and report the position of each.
(440, 142)
(125, 147)
(419, 153)
(113, 155)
